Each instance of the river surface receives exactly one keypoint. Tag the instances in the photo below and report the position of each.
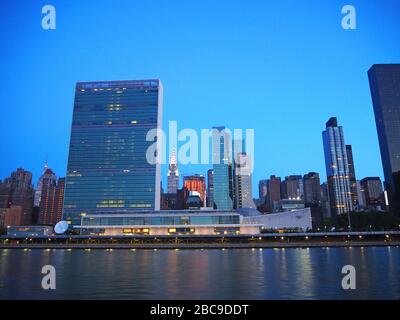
(313, 273)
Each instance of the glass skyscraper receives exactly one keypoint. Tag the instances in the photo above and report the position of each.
(107, 166)
(222, 167)
(384, 80)
(337, 168)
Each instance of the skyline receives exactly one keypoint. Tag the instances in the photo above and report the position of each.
(344, 70)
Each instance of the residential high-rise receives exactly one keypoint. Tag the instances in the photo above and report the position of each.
(210, 188)
(173, 174)
(352, 176)
(274, 193)
(373, 191)
(222, 167)
(113, 162)
(196, 183)
(243, 181)
(337, 168)
(384, 81)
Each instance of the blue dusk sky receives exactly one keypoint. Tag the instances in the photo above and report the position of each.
(281, 68)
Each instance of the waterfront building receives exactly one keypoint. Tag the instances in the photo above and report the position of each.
(222, 167)
(111, 164)
(188, 222)
(337, 168)
(296, 220)
(352, 176)
(210, 189)
(384, 80)
(373, 192)
(173, 174)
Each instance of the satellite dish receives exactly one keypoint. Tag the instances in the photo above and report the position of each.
(61, 227)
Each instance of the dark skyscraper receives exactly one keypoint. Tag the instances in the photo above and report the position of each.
(108, 168)
(262, 189)
(374, 197)
(274, 193)
(312, 189)
(352, 175)
(337, 168)
(292, 187)
(384, 80)
(17, 193)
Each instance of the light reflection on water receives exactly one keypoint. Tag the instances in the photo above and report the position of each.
(202, 274)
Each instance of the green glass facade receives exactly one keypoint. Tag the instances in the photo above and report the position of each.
(107, 165)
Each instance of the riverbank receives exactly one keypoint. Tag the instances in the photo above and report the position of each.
(272, 245)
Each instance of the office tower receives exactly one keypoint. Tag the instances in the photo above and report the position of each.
(210, 188)
(111, 165)
(196, 183)
(325, 201)
(47, 194)
(243, 181)
(173, 174)
(337, 168)
(262, 189)
(17, 192)
(384, 81)
(52, 198)
(312, 189)
(352, 176)
(292, 187)
(274, 193)
(222, 167)
(38, 190)
(373, 191)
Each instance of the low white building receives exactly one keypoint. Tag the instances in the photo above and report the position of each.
(297, 219)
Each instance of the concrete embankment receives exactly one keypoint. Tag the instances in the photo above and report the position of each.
(303, 244)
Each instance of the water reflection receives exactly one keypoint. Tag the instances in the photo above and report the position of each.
(202, 274)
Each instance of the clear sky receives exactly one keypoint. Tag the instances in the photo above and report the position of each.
(280, 67)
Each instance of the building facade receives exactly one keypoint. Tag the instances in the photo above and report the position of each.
(274, 193)
(196, 183)
(337, 168)
(114, 154)
(384, 80)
